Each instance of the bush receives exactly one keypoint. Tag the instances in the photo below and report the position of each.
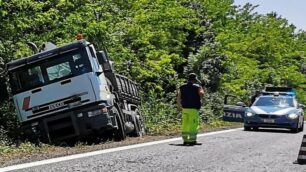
(9, 125)
(161, 115)
(160, 112)
(212, 107)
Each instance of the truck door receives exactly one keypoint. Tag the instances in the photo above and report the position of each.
(234, 109)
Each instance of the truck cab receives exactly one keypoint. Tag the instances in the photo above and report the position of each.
(72, 91)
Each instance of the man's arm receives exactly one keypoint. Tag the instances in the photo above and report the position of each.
(201, 92)
(178, 101)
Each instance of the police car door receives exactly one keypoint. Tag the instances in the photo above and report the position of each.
(233, 112)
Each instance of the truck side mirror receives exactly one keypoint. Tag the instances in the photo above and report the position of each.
(104, 62)
(102, 58)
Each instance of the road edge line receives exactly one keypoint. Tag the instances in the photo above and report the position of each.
(99, 152)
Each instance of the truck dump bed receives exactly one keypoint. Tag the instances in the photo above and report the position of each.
(125, 88)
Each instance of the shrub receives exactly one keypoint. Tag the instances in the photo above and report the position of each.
(9, 125)
(160, 111)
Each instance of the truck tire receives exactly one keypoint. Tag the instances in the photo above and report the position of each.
(139, 125)
(119, 133)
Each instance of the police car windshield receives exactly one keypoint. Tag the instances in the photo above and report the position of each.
(279, 101)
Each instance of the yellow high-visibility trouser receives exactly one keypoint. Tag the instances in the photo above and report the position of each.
(190, 124)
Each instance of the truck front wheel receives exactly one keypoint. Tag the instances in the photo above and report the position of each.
(119, 133)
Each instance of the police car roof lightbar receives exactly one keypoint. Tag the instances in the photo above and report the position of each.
(279, 93)
(278, 89)
(281, 90)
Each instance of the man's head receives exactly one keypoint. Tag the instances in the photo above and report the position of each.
(192, 77)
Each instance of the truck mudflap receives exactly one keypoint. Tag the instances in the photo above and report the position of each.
(75, 124)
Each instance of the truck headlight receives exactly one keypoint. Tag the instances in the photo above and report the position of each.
(292, 116)
(94, 113)
(103, 108)
(249, 114)
(80, 115)
(34, 124)
(97, 112)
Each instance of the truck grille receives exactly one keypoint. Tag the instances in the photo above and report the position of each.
(61, 128)
(56, 105)
(61, 104)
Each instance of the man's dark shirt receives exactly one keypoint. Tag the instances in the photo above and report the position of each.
(253, 98)
(190, 97)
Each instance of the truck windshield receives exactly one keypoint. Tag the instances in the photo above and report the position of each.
(51, 70)
(274, 101)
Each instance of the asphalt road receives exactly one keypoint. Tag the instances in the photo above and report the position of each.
(238, 150)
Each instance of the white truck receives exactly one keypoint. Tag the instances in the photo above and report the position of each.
(72, 91)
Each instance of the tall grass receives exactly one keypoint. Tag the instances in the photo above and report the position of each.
(161, 115)
(9, 125)
(160, 112)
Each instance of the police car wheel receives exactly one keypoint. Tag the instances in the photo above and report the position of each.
(295, 130)
(247, 128)
(302, 126)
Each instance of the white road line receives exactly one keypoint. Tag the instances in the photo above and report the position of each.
(83, 155)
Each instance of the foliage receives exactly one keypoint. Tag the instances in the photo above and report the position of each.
(9, 126)
(160, 112)
(263, 49)
(157, 43)
(10, 151)
(210, 112)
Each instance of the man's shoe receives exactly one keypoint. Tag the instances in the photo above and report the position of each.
(195, 143)
(187, 144)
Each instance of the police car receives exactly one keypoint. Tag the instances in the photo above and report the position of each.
(274, 109)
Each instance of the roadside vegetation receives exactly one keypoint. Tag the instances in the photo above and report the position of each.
(157, 43)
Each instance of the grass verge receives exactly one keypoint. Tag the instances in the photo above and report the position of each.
(28, 152)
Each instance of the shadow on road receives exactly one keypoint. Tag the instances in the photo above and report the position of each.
(272, 130)
(180, 144)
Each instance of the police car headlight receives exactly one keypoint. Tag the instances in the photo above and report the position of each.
(292, 116)
(249, 114)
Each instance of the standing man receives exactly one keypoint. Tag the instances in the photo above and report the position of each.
(253, 98)
(189, 102)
